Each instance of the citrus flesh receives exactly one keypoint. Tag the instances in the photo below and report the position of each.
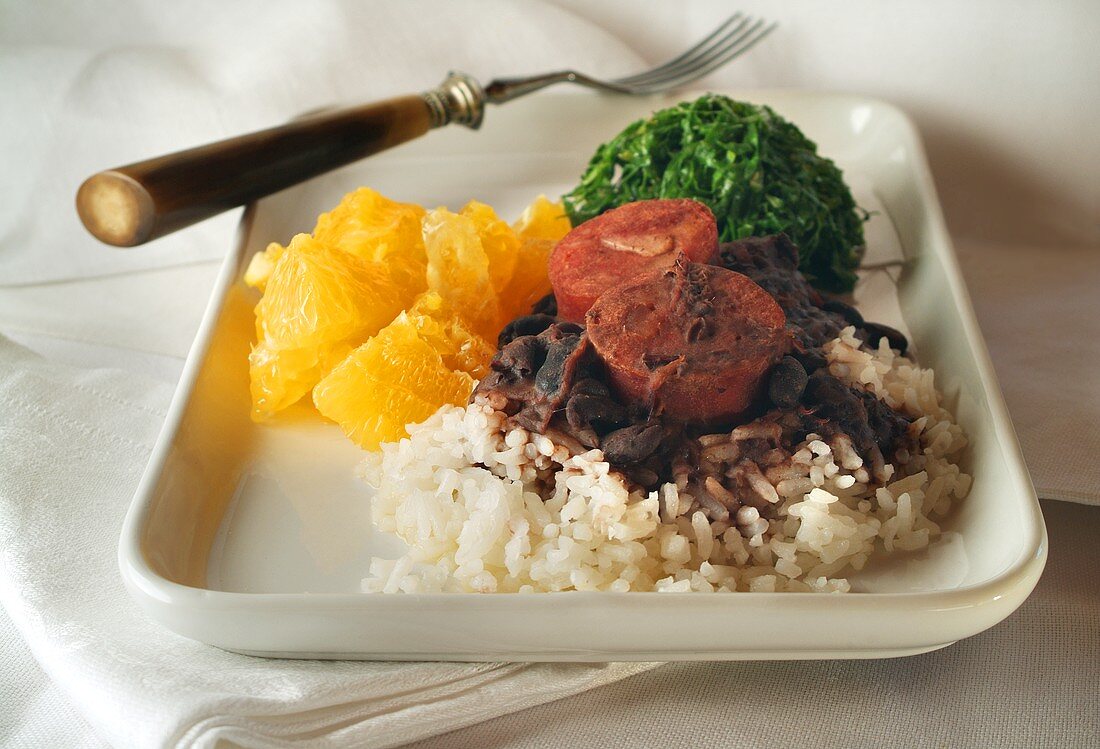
(388, 311)
(317, 306)
(394, 379)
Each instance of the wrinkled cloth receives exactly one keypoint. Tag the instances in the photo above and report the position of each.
(73, 444)
(94, 85)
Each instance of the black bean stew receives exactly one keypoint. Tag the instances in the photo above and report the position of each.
(547, 378)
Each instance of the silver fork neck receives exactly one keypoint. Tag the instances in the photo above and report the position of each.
(460, 98)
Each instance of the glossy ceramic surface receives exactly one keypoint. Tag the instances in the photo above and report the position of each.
(254, 538)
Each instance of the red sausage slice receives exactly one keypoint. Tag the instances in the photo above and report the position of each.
(618, 245)
(693, 341)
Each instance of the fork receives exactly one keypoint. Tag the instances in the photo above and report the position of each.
(134, 204)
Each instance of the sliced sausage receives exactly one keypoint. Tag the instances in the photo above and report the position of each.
(618, 245)
(693, 341)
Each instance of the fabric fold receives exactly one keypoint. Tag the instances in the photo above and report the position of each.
(73, 444)
(204, 71)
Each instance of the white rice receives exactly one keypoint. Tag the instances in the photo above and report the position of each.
(488, 509)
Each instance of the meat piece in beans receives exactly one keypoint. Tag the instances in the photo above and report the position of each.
(535, 374)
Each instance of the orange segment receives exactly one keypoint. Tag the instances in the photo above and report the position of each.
(543, 219)
(316, 307)
(394, 379)
(531, 281)
(260, 266)
(373, 227)
(497, 239)
(542, 224)
(458, 270)
(460, 347)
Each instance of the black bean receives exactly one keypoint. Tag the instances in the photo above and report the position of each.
(590, 386)
(641, 476)
(811, 359)
(788, 380)
(552, 372)
(521, 358)
(584, 410)
(823, 387)
(521, 326)
(548, 305)
(874, 332)
(632, 444)
(848, 312)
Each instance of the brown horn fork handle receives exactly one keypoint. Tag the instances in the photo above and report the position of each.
(134, 204)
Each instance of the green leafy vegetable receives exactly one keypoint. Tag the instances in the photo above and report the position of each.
(757, 172)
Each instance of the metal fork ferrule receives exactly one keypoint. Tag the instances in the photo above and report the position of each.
(459, 99)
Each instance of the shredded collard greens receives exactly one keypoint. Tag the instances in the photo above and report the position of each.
(757, 172)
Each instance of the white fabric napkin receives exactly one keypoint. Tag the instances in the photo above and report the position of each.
(92, 85)
(73, 444)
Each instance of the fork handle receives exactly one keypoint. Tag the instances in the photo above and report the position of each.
(139, 202)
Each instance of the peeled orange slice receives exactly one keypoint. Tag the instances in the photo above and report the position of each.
(458, 270)
(262, 263)
(531, 281)
(497, 239)
(394, 379)
(458, 345)
(543, 219)
(542, 224)
(317, 306)
(371, 226)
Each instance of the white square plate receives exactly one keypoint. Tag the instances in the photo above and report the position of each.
(255, 538)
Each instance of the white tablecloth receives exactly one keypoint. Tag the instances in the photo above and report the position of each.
(1011, 140)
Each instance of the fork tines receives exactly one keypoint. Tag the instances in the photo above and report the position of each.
(734, 37)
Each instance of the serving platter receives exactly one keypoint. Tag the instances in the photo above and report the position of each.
(254, 538)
